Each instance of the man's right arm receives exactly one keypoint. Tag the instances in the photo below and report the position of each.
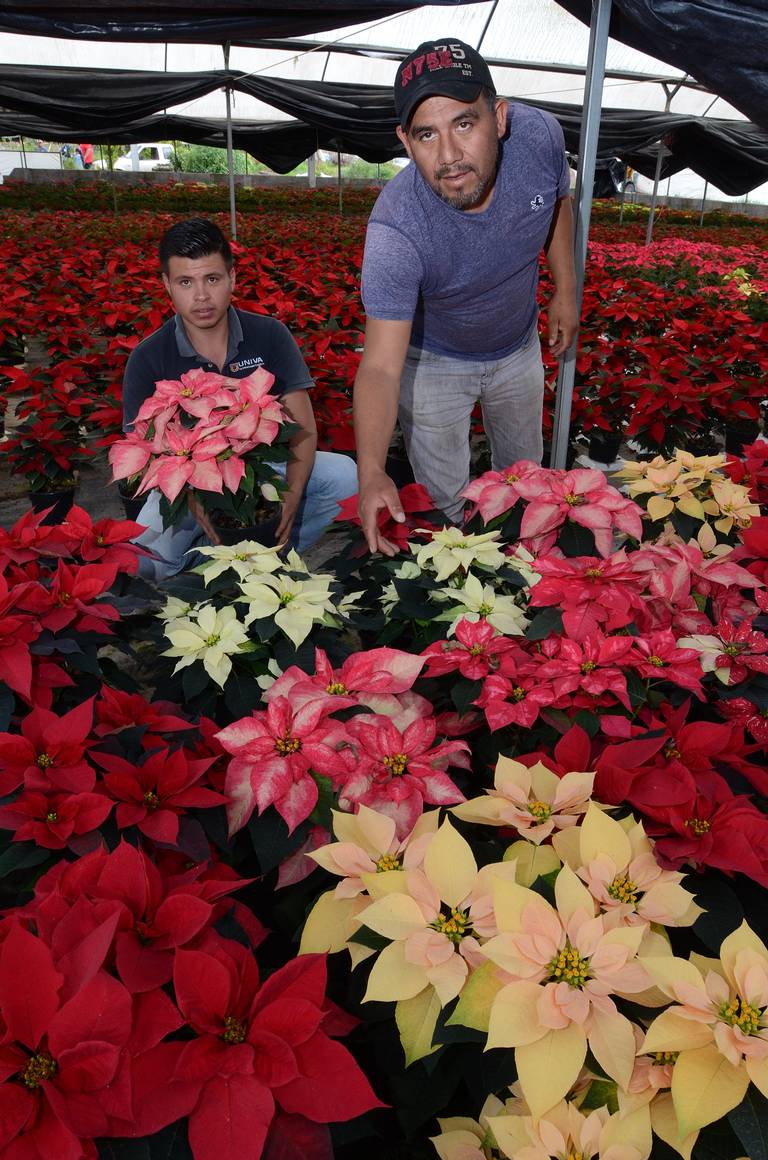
(376, 396)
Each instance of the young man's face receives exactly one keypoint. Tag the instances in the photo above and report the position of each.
(456, 148)
(200, 290)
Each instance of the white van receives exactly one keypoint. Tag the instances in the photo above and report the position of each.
(152, 155)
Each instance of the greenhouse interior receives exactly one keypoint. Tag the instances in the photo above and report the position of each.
(384, 580)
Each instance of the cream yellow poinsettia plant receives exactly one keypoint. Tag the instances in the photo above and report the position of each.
(718, 1025)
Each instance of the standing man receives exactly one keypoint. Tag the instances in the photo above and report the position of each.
(449, 281)
(208, 332)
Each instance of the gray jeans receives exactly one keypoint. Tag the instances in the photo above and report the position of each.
(437, 395)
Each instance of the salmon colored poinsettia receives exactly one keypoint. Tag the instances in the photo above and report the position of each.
(719, 1025)
(565, 964)
(532, 799)
(617, 864)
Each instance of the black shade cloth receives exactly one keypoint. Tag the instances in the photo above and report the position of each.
(723, 44)
(194, 21)
(123, 106)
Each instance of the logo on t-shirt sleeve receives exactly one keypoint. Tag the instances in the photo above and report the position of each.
(537, 202)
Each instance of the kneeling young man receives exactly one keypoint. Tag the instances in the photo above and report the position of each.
(208, 332)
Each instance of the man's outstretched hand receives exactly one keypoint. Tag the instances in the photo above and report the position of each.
(378, 492)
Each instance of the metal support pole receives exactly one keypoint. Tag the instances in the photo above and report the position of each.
(23, 153)
(655, 193)
(703, 203)
(585, 180)
(662, 153)
(338, 175)
(312, 171)
(230, 156)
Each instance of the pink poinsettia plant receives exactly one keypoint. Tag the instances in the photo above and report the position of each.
(209, 438)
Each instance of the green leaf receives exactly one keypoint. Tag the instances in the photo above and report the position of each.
(369, 938)
(600, 1094)
(271, 841)
(463, 693)
(547, 621)
(723, 911)
(194, 680)
(574, 540)
(125, 1149)
(21, 856)
(750, 1123)
(7, 702)
(241, 693)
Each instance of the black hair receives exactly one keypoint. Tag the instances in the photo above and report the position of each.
(193, 238)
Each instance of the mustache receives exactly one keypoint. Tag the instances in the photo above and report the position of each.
(453, 171)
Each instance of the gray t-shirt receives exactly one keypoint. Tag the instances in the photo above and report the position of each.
(468, 280)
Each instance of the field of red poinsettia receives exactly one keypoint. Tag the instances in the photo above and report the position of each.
(460, 854)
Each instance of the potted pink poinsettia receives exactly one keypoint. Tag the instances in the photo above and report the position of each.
(208, 440)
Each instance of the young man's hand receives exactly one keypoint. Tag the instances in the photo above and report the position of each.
(197, 510)
(377, 491)
(287, 516)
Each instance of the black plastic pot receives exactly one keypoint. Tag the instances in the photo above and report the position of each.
(740, 433)
(60, 503)
(604, 446)
(264, 532)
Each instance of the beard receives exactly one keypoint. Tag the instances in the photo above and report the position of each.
(466, 198)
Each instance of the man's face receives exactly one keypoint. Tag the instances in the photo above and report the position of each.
(200, 290)
(456, 148)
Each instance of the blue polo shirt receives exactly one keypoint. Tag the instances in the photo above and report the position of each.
(254, 341)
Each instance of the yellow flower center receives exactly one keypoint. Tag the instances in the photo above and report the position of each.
(574, 500)
(665, 1057)
(99, 539)
(588, 667)
(388, 862)
(182, 454)
(286, 745)
(44, 761)
(569, 967)
(518, 693)
(541, 811)
(396, 763)
(234, 1030)
(286, 598)
(52, 816)
(336, 688)
(213, 639)
(593, 573)
(623, 889)
(64, 597)
(485, 610)
(574, 1155)
(511, 478)
(657, 661)
(476, 650)
(455, 926)
(741, 1014)
(733, 648)
(698, 826)
(185, 392)
(39, 1068)
(671, 752)
(151, 800)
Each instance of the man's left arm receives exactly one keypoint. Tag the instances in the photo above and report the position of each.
(562, 315)
(303, 445)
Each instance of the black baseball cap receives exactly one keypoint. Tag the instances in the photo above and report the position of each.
(446, 68)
